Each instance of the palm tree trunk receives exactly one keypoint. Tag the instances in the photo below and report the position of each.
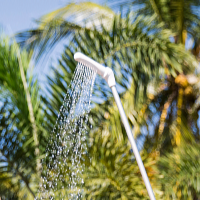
(31, 113)
(179, 113)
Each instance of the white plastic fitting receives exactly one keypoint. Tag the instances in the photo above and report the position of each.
(104, 72)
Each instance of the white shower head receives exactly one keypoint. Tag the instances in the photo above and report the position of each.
(105, 72)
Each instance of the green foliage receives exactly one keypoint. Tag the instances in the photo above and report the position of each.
(112, 172)
(17, 147)
(180, 172)
(177, 15)
(154, 78)
(133, 46)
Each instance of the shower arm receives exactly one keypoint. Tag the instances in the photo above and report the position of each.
(108, 75)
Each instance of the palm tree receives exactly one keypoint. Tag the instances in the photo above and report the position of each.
(21, 124)
(182, 18)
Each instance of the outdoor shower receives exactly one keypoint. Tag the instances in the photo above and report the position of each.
(108, 75)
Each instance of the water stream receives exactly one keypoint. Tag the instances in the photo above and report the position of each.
(63, 165)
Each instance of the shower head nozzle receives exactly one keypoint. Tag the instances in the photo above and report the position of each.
(105, 72)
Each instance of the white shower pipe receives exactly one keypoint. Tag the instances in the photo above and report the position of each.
(108, 75)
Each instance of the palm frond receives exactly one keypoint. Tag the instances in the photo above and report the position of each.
(180, 170)
(113, 172)
(63, 24)
(176, 14)
(18, 146)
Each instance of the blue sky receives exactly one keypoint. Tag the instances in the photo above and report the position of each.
(18, 15)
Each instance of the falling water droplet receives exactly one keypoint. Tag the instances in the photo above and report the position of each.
(67, 144)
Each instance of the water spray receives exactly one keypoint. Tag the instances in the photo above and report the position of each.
(108, 75)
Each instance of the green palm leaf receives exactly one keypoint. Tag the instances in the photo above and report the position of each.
(19, 91)
(180, 170)
(62, 24)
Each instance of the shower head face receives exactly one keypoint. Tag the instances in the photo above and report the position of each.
(100, 69)
(104, 72)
